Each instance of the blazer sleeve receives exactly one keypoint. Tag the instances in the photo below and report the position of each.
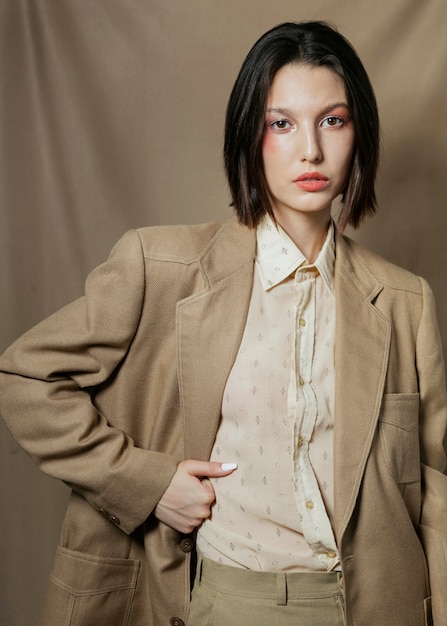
(45, 378)
(433, 425)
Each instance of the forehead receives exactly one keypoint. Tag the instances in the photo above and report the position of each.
(301, 83)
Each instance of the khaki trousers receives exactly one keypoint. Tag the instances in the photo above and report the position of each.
(230, 596)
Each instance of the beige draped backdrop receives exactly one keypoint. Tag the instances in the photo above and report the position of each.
(111, 117)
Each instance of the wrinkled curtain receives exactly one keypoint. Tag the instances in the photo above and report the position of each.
(111, 117)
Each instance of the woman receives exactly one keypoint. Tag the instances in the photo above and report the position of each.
(306, 368)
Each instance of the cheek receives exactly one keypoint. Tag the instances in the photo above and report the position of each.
(273, 152)
(269, 154)
(269, 145)
(345, 152)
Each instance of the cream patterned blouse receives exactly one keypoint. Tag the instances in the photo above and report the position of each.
(273, 513)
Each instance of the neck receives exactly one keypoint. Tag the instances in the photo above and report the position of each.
(308, 232)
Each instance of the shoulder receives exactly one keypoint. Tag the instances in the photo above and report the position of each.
(383, 271)
(182, 243)
(216, 249)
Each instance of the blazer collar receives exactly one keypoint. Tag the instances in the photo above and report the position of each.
(233, 247)
(361, 358)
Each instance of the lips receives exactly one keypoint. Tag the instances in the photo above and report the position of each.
(312, 181)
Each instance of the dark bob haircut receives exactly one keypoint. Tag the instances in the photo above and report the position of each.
(319, 45)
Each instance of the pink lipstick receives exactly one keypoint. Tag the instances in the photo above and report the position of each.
(312, 181)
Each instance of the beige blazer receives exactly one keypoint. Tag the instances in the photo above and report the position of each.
(112, 391)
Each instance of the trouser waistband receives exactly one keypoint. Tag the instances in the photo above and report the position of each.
(281, 586)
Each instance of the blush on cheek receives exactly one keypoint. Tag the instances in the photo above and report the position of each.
(270, 143)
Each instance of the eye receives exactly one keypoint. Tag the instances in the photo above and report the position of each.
(280, 125)
(333, 121)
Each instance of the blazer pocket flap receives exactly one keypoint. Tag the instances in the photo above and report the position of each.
(399, 435)
(400, 410)
(85, 574)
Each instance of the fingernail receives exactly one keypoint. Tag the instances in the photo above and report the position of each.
(228, 466)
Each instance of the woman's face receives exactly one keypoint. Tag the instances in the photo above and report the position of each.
(308, 141)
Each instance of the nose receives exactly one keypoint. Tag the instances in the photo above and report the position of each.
(311, 148)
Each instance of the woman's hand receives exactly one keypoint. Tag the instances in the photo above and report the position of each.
(188, 499)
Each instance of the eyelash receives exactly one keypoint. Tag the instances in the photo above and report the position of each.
(275, 126)
(340, 121)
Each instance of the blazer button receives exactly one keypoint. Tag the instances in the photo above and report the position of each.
(112, 518)
(187, 544)
(176, 621)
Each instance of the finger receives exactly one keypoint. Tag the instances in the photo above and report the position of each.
(210, 469)
(206, 484)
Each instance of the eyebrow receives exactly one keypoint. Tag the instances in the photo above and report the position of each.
(289, 112)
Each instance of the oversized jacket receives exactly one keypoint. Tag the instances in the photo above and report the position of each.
(111, 392)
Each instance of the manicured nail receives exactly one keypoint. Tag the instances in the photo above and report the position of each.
(228, 466)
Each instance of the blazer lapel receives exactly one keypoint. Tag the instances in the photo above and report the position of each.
(361, 358)
(210, 326)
